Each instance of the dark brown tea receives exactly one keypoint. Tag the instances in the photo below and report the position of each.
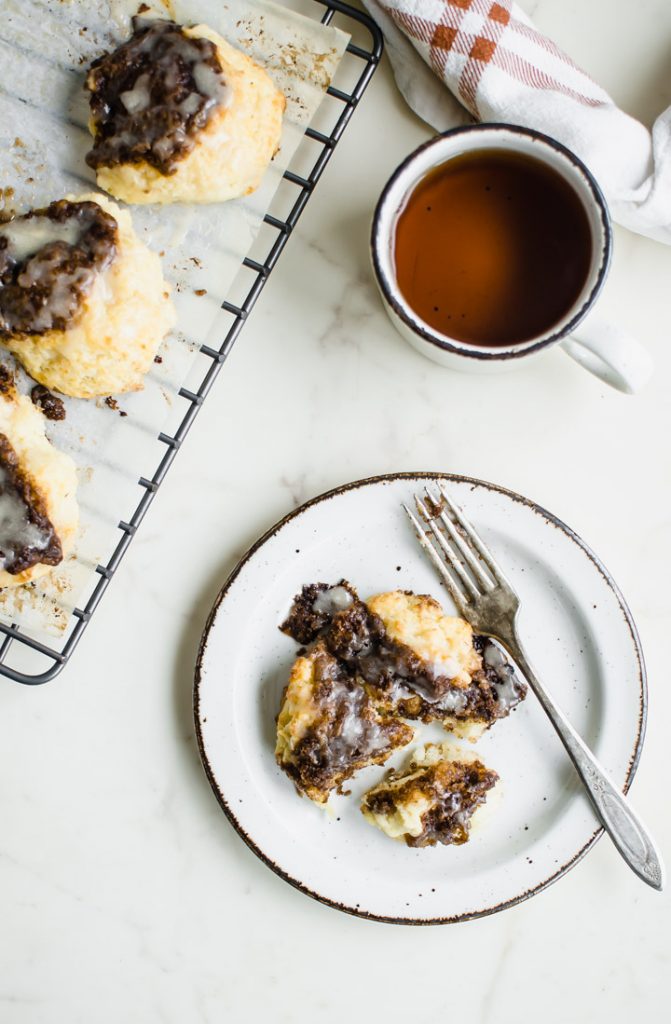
(492, 248)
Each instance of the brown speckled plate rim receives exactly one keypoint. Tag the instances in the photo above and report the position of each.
(392, 478)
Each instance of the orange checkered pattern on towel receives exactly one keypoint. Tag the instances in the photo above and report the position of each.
(462, 39)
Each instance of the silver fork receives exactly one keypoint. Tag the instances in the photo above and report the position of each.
(485, 598)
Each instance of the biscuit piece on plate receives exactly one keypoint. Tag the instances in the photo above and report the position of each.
(178, 115)
(433, 800)
(313, 609)
(329, 726)
(83, 302)
(38, 506)
(439, 670)
(420, 662)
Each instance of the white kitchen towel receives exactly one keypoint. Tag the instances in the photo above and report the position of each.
(497, 67)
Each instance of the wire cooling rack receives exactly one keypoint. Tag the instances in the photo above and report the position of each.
(362, 56)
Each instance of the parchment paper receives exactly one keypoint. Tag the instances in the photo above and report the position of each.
(45, 48)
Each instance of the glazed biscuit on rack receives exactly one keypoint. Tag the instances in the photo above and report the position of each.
(38, 507)
(329, 726)
(433, 800)
(83, 302)
(178, 115)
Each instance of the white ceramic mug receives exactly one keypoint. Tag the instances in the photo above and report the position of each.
(602, 347)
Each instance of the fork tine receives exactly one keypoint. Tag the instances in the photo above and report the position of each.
(452, 561)
(455, 592)
(478, 544)
(462, 547)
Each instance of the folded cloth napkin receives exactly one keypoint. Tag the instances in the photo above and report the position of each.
(499, 68)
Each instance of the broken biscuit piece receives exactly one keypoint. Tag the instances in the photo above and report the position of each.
(422, 664)
(329, 726)
(433, 800)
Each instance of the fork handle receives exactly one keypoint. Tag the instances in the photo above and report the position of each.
(623, 826)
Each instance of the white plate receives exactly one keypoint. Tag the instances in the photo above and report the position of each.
(576, 627)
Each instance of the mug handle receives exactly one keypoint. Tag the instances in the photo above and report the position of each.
(610, 353)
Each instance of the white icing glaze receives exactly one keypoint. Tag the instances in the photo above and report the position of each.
(508, 686)
(453, 701)
(26, 236)
(51, 259)
(208, 82)
(453, 803)
(356, 735)
(190, 104)
(16, 531)
(164, 147)
(62, 283)
(139, 97)
(211, 84)
(493, 655)
(333, 600)
(351, 728)
(508, 691)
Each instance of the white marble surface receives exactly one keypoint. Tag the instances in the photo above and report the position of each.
(124, 893)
